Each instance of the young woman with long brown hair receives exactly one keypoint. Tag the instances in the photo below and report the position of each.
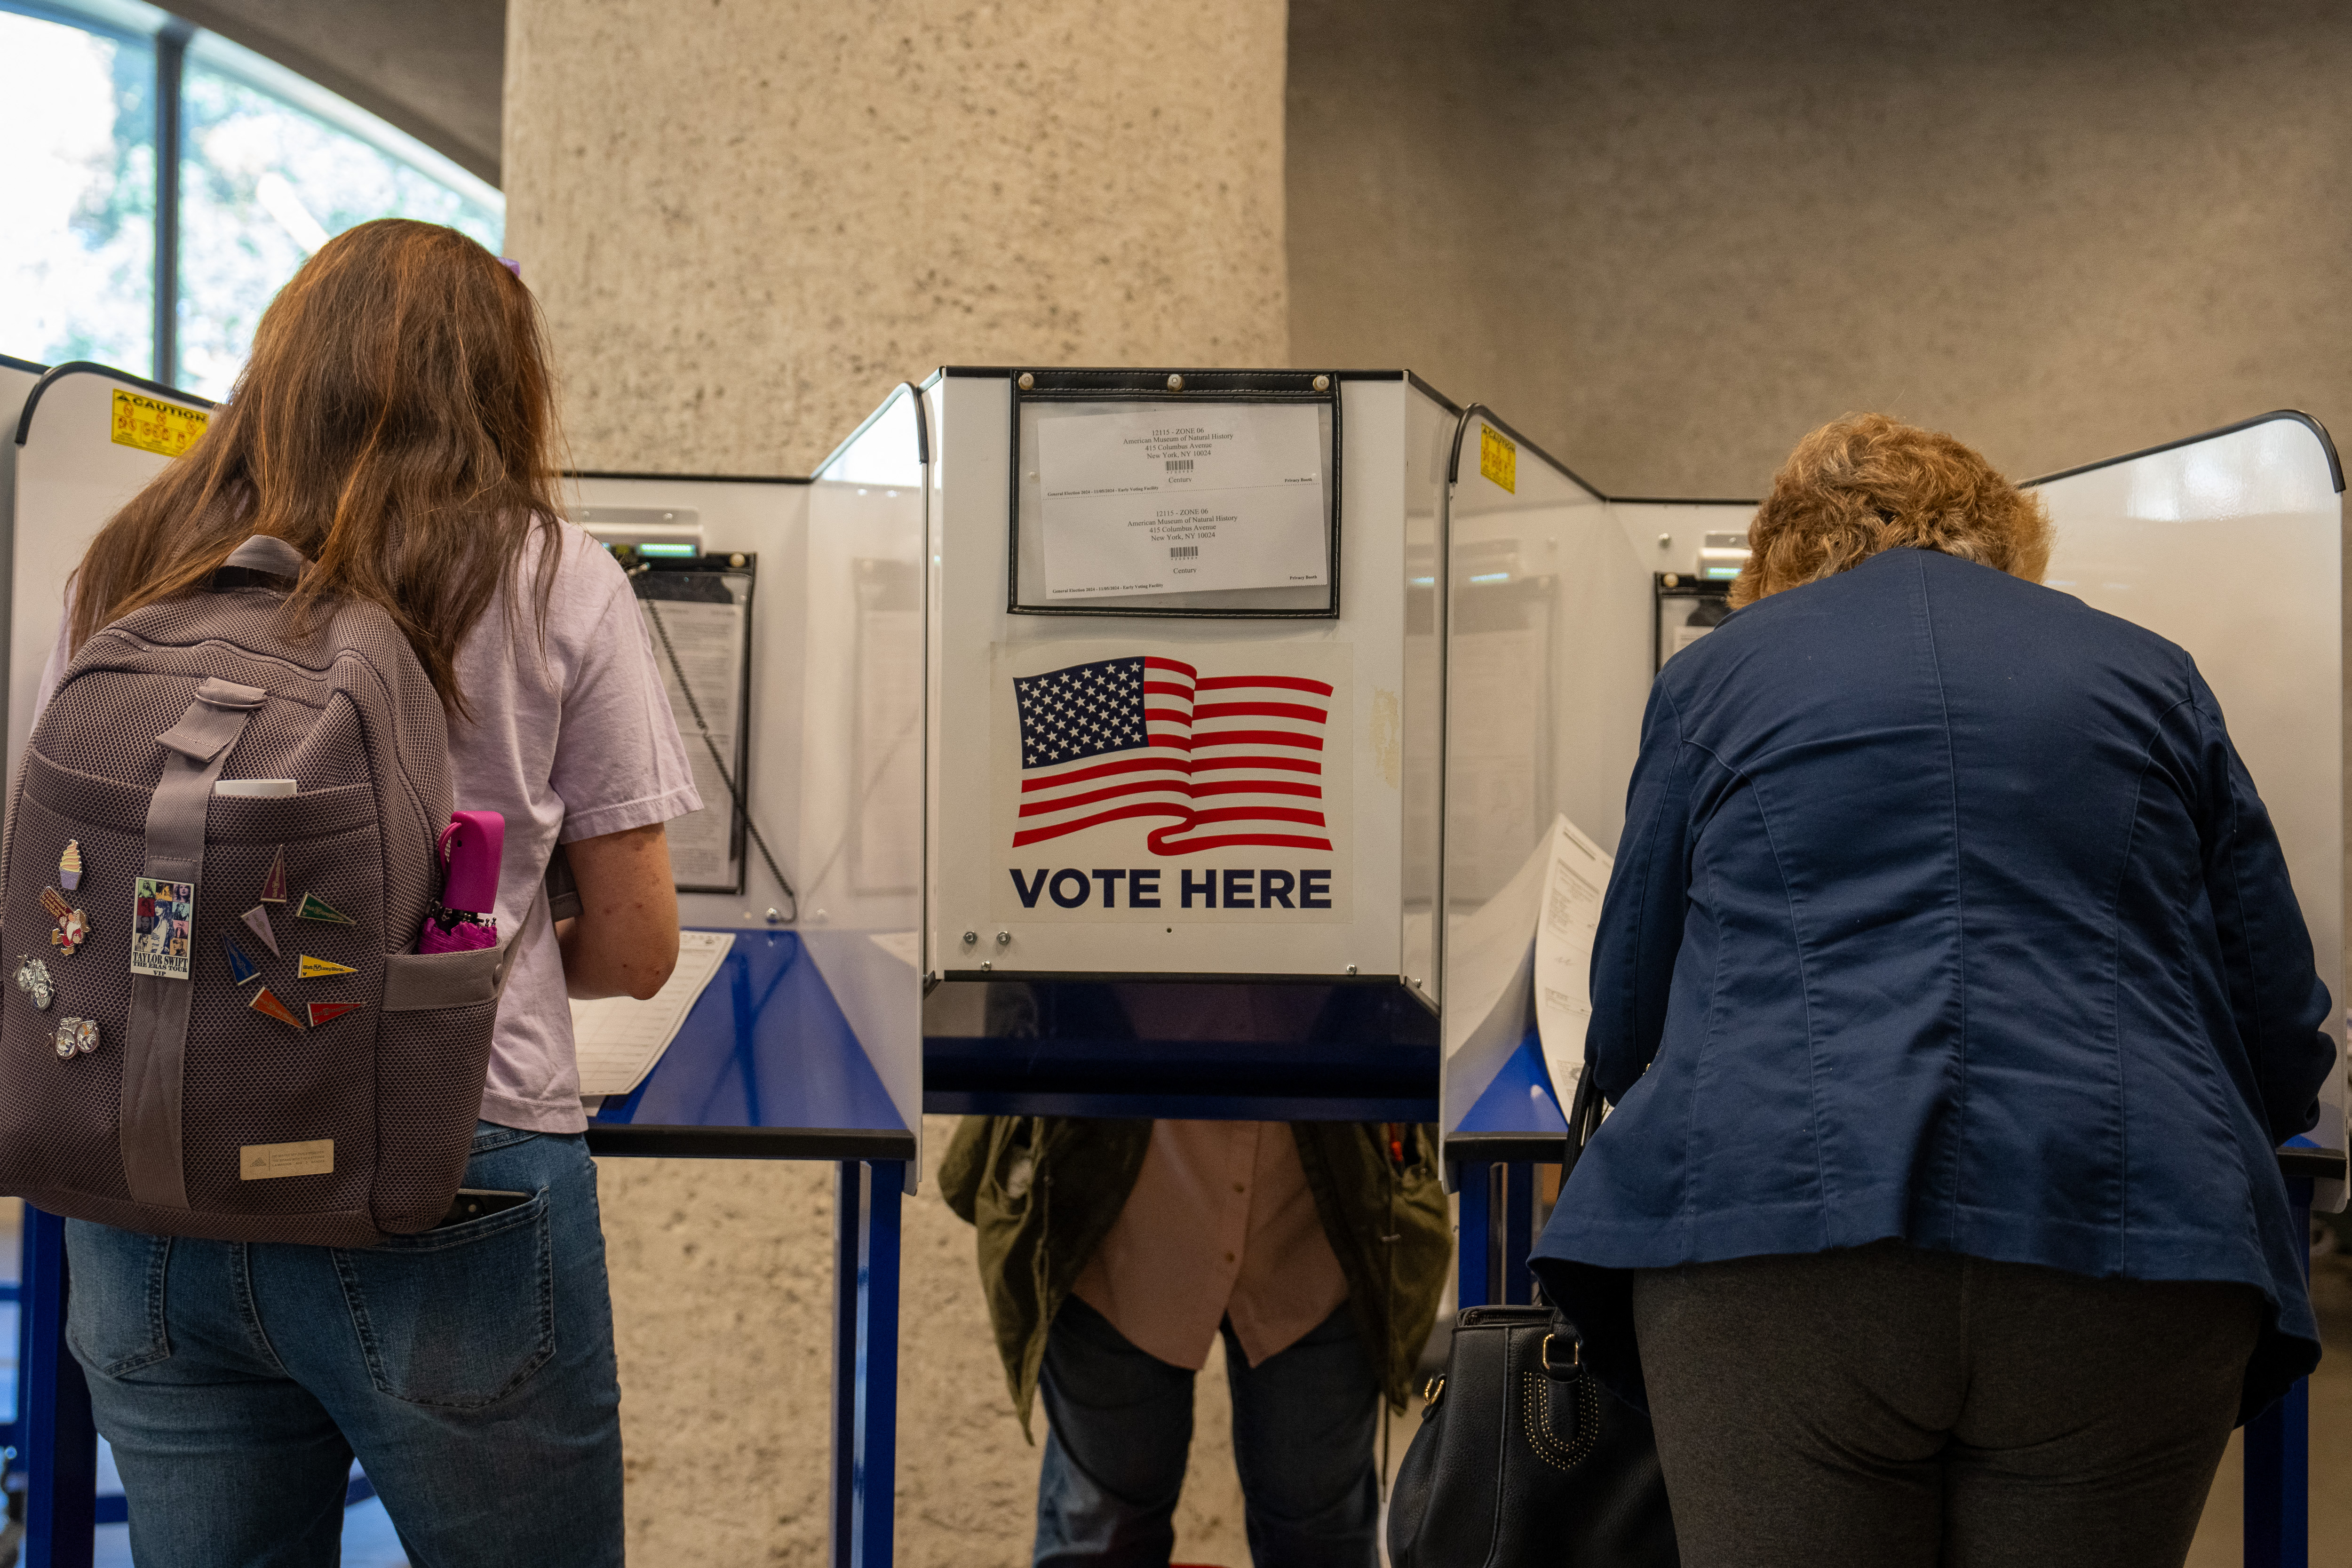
(396, 425)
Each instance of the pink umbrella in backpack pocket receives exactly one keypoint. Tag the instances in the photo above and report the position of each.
(467, 918)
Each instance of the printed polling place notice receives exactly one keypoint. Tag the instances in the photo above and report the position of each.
(1185, 499)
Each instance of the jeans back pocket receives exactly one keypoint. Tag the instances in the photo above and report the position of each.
(115, 1307)
(455, 1318)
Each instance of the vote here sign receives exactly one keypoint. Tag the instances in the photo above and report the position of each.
(1135, 782)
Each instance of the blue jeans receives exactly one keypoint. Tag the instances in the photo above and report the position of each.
(1122, 1423)
(470, 1369)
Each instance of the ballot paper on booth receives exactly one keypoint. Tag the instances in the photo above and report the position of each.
(1188, 499)
(1526, 955)
(617, 1039)
(1489, 981)
(1574, 880)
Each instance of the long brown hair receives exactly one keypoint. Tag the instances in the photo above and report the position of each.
(1868, 482)
(395, 423)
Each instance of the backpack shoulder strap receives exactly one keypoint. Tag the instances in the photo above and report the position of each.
(259, 557)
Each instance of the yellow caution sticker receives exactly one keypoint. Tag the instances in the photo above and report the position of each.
(1498, 456)
(152, 425)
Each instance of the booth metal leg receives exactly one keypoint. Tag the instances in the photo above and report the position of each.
(1496, 1235)
(60, 1439)
(23, 1407)
(1518, 1234)
(2278, 1454)
(1474, 1240)
(865, 1360)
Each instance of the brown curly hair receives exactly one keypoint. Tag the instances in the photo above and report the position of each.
(1866, 483)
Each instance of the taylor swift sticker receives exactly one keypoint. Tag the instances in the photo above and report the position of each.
(163, 928)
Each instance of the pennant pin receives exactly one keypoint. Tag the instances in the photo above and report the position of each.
(72, 931)
(314, 908)
(265, 1001)
(319, 969)
(33, 979)
(55, 902)
(322, 1011)
(257, 921)
(69, 866)
(239, 965)
(76, 1037)
(273, 886)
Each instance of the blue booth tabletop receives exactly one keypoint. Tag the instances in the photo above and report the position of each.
(766, 1065)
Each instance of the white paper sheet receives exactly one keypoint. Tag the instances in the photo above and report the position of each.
(1188, 499)
(1487, 954)
(1573, 883)
(619, 1038)
(709, 641)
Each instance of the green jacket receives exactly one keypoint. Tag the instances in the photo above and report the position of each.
(1044, 1191)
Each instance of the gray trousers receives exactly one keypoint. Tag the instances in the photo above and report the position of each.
(1890, 1407)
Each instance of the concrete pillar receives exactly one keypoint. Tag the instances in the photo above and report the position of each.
(746, 220)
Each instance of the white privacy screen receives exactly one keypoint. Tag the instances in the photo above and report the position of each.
(89, 446)
(1548, 668)
(766, 521)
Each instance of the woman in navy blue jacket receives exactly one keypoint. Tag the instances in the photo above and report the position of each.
(1951, 997)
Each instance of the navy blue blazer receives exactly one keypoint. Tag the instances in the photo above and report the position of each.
(1946, 911)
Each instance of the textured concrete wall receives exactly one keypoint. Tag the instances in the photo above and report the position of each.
(1667, 238)
(747, 218)
(746, 221)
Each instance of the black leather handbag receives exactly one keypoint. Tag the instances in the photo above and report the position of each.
(1523, 1459)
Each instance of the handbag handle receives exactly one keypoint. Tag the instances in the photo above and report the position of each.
(1583, 1118)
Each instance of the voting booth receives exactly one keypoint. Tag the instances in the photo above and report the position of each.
(755, 596)
(785, 618)
(1187, 743)
(83, 439)
(2227, 543)
(17, 379)
(1181, 777)
(86, 441)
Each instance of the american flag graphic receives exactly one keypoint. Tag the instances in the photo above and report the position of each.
(1227, 761)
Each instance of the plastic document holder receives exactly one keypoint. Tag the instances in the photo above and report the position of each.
(1187, 494)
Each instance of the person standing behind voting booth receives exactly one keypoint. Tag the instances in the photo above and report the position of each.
(396, 426)
(1114, 1253)
(1952, 999)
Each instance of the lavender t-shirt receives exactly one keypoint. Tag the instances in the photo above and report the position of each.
(567, 743)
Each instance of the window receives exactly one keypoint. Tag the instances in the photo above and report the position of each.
(268, 167)
(77, 192)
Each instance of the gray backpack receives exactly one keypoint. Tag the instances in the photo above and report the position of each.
(216, 1025)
